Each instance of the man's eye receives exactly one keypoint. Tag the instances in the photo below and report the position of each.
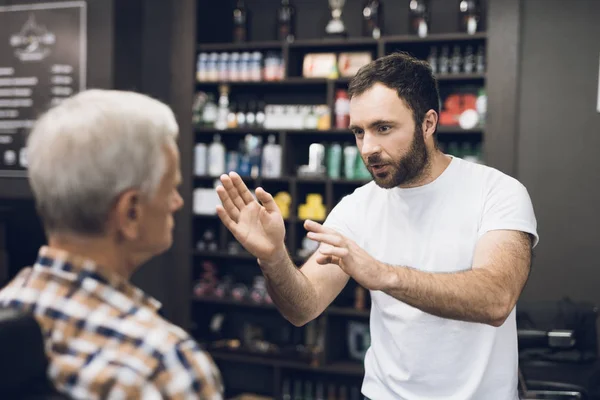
(384, 128)
(358, 132)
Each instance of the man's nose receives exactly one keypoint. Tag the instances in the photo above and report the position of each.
(370, 145)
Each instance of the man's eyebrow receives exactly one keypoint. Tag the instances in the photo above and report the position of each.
(373, 124)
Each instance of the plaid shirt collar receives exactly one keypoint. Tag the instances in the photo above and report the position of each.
(98, 281)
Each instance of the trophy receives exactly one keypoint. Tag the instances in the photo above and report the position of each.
(335, 27)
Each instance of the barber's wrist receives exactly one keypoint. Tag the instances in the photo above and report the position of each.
(278, 257)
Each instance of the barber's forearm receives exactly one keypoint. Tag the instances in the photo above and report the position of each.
(290, 290)
(473, 295)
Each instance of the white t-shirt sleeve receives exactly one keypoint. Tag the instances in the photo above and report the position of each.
(342, 218)
(508, 206)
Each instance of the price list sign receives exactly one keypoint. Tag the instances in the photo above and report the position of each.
(42, 61)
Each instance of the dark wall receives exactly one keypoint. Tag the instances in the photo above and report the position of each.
(559, 139)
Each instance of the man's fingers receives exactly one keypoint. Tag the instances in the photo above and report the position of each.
(316, 227)
(226, 219)
(241, 188)
(232, 191)
(329, 238)
(266, 200)
(232, 211)
(328, 250)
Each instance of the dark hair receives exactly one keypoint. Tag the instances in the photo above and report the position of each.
(412, 79)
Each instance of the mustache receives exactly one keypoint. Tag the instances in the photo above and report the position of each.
(374, 160)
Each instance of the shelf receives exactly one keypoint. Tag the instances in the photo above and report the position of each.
(248, 46)
(231, 302)
(237, 256)
(434, 37)
(234, 131)
(333, 42)
(341, 368)
(224, 255)
(341, 132)
(287, 81)
(14, 187)
(460, 77)
(348, 312)
(293, 179)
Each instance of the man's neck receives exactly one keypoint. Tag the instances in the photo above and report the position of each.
(437, 164)
(102, 250)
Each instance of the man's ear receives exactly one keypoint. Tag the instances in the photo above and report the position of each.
(128, 213)
(430, 122)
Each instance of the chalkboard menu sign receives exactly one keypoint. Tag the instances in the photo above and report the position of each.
(42, 61)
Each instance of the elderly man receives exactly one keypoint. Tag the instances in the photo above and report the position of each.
(104, 169)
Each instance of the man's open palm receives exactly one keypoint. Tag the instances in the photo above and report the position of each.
(259, 228)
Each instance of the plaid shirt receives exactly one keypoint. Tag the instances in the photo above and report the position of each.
(104, 337)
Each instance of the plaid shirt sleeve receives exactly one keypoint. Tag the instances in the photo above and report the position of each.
(189, 373)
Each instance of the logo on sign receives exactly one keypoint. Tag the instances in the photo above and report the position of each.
(33, 42)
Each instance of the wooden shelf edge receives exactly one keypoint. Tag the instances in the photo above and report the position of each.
(332, 310)
(340, 368)
(348, 42)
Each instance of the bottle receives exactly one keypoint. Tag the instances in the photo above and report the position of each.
(298, 390)
(202, 67)
(350, 156)
(232, 117)
(432, 59)
(481, 106)
(271, 161)
(445, 60)
(216, 157)
(286, 390)
(469, 62)
(419, 17)
(308, 391)
(320, 391)
(240, 116)
(343, 393)
(251, 114)
(456, 60)
(480, 59)
(212, 71)
(469, 16)
(334, 161)
(286, 21)
(260, 115)
(223, 110)
(209, 113)
(200, 151)
(223, 67)
(240, 22)
(256, 66)
(342, 109)
(372, 19)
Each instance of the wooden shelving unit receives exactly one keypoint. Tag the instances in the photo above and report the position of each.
(335, 360)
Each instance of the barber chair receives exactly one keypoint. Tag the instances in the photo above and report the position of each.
(23, 362)
(534, 389)
(558, 350)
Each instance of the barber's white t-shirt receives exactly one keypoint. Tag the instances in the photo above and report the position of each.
(415, 355)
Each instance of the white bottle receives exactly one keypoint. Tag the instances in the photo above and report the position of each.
(200, 163)
(223, 110)
(271, 161)
(216, 157)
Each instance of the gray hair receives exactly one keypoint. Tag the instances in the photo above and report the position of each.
(90, 148)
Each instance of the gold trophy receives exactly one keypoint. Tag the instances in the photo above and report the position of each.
(335, 27)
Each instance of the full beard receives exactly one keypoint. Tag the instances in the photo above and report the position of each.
(410, 169)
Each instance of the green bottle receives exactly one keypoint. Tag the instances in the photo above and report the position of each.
(334, 161)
